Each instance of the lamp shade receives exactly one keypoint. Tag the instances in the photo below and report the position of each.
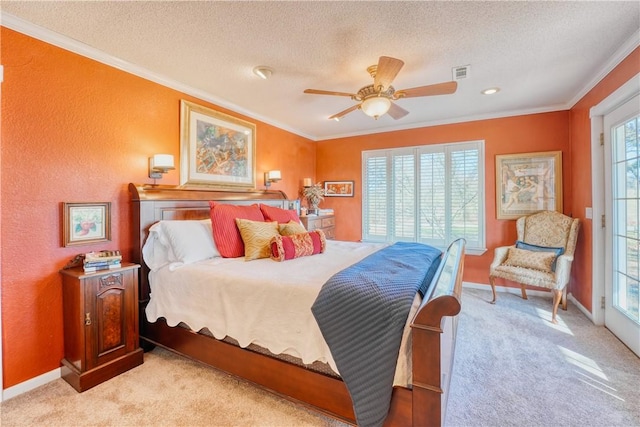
(376, 106)
(162, 161)
(306, 182)
(274, 175)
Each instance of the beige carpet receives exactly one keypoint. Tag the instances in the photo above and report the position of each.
(512, 368)
(166, 390)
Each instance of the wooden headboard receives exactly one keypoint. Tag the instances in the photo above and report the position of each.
(152, 203)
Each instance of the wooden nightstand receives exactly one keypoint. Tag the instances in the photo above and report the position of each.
(100, 312)
(326, 223)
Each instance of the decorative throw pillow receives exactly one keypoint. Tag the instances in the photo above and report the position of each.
(225, 232)
(256, 236)
(297, 245)
(528, 246)
(283, 216)
(541, 261)
(292, 227)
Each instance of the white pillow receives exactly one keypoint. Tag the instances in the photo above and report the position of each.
(179, 243)
(156, 251)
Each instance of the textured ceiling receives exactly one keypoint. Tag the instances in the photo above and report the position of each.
(542, 55)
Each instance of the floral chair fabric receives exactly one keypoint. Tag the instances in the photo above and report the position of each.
(548, 230)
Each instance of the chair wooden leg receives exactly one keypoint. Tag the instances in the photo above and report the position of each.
(524, 292)
(492, 282)
(564, 299)
(557, 296)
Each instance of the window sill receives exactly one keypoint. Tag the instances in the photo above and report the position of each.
(475, 251)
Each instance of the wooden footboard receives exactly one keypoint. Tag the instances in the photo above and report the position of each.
(433, 327)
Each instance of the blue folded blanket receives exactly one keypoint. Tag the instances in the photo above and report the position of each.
(361, 312)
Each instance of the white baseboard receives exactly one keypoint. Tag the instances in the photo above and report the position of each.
(531, 292)
(517, 291)
(29, 385)
(581, 307)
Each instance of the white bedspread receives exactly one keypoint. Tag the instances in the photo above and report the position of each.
(260, 302)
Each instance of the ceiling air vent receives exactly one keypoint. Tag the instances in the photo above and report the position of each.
(462, 72)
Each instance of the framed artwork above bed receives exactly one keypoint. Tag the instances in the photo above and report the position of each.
(215, 149)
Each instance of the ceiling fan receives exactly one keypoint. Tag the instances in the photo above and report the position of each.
(377, 99)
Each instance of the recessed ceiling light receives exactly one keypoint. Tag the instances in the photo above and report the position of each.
(491, 91)
(263, 72)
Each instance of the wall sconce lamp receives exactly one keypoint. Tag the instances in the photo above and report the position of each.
(160, 164)
(271, 176)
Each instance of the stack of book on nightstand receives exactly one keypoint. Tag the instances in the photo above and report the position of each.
(325, 211)
(103, 260)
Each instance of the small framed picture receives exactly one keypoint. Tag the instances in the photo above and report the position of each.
(338, 188)
(86, 223)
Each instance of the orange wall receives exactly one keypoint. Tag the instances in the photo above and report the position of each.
(581, 157)
(77, 130)
(341, 159)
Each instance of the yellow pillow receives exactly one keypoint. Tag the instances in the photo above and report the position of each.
(291, 227)
(256, 236)
(534, 260)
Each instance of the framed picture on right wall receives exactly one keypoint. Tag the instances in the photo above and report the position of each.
(338, 188)
(527, 183)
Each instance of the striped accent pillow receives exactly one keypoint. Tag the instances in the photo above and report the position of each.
(272, 213)
(225, 232)
(256, 236)
(297, 245)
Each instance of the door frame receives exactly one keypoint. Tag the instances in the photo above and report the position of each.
(621, 95)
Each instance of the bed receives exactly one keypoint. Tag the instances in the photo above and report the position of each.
(432, 322)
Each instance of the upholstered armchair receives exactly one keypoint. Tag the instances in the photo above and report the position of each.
(542, 256)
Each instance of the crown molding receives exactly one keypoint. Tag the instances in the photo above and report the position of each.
(617, 57)
(67, 43)
(25, 27)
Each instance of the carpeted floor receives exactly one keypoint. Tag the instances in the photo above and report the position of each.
(515, 368)
(512, 368)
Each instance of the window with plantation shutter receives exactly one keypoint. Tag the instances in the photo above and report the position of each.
(432, 194)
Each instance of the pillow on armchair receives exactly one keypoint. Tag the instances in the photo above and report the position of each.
(558, 251)
(535, 260)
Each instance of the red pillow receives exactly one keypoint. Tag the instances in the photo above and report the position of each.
(297, 245)
(283, 216)
(225, 231)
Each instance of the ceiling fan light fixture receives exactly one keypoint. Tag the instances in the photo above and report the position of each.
(376, 106)
(263, 72)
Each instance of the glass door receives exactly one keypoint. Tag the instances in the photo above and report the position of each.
(622, 214)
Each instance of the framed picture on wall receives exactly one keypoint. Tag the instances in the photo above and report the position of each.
(528, 183)
(86, 223)
(215, 149)
(338, 188)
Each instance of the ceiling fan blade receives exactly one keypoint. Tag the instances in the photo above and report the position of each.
(328, 92)
(345, 112)
(396, 112)
(429, 90)
(388, 69)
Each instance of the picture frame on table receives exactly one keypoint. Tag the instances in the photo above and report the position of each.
(86, 223)
(528, 183)
(338, 188)
(216, 149)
